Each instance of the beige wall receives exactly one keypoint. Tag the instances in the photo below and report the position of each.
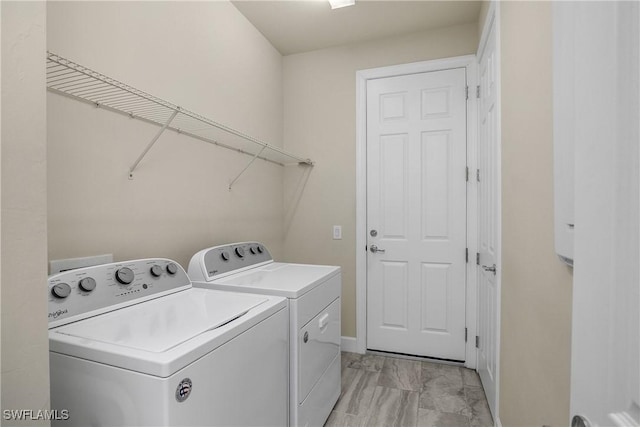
(536, 286)
(204, 56)
(25, 347)
(319, 111)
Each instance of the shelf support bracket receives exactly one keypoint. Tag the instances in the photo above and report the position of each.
(247, 167)
(153, 141)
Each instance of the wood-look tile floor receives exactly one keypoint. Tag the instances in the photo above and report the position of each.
(388, 391)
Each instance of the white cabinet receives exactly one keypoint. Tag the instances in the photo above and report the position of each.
(603, 125)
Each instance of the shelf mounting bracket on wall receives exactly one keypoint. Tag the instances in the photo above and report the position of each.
(67, 78)
(153, 141)
(246, 167)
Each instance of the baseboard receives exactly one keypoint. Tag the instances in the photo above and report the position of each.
(349, 344)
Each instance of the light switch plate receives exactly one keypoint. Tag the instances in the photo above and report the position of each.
(337, 232)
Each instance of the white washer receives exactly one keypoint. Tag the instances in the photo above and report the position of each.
(313, 292)
(132, 343)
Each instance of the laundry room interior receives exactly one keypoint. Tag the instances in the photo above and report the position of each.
(268, 132)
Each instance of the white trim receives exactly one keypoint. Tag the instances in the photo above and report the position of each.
(361, 211)
(496, 22)
(471, 360)
(497, 422)
(349, 344)
(488, 21)
(468, 62)
(493, 19)
(412, 68)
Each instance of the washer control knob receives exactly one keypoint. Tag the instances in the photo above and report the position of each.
(61, 290)
(125, 275)
(172, 268)
(156, 270)
(240, 252)
(87, 284)
(255, 250)
(224, 255)
(259, 249)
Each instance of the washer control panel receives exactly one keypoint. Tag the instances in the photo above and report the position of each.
(223, 259)
(88, 291)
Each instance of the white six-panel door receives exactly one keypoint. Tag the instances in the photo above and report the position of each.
(416, 214)
(488, 187)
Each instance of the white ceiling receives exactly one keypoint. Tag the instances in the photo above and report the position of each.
(296, 26)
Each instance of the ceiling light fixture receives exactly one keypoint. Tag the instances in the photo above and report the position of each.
(336, 4)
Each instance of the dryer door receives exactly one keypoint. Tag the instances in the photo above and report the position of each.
(319, 343)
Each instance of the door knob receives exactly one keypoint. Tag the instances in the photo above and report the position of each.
(375, 249)
(491, 269)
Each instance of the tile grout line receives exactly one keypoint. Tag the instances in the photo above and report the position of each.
(397, 382)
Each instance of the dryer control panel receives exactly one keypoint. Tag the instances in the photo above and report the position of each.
(220, 260)
(85, 292)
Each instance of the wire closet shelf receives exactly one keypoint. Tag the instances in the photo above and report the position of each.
(67, 78)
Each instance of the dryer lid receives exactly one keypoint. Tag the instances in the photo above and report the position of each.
(281, 279)
(161, 324)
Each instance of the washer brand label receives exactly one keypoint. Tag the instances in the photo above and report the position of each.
(184, 390)
(58, 313)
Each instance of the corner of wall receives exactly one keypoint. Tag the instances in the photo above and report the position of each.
(536, 286)
(23, 245)
(482, 17)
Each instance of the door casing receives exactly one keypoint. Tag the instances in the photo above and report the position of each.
(492, 29)
(469, 62)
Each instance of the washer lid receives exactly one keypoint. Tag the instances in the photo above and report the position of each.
(161, 324)
(281, 279)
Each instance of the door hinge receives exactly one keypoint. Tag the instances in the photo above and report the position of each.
(465, 334)
(466, 254)
(467, 174)
(478, 91)
(478, 175)
(466, 92)
(477, 258)
(477, 341)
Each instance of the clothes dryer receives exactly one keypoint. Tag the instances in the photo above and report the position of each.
(313, 292)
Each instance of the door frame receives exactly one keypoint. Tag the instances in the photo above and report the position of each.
(492, 21)
(469, 62)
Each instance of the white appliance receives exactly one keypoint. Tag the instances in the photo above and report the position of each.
(313, 292)
(133, 343)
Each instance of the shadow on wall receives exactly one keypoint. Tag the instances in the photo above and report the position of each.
(301, 176)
